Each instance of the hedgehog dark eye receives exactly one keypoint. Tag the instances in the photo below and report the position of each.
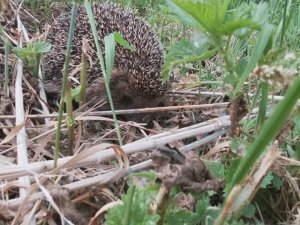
(126, 99)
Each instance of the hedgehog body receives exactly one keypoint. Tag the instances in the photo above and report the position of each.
(136, 74)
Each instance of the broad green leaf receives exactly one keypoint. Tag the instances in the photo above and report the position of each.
(209, 14)
(182, 15)
(230, 27)
(184, 52)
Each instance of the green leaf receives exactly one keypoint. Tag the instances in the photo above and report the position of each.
(230, 27)
(41, 47)
(216, 167)
(267, 180)
(209, 14)
(75, 93)
(201, 207)
(134, 209)
(262, 105)
(180, 216)
(277, 182)
(260, 12)
(249, 211)
(121, 41)
(211, 215)
(184, 17)
(185, 51)
(238, 222)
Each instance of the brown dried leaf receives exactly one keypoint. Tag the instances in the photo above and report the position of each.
(13, 133)
(192, 175)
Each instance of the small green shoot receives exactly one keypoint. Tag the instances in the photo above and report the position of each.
(32, 54)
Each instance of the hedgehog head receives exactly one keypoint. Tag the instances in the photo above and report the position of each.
(123, 90)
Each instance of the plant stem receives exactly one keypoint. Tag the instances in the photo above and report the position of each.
(6, 66)
(65, 77)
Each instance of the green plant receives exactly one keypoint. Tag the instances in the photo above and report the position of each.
(246, 37)
(134, 209)
(32, 54)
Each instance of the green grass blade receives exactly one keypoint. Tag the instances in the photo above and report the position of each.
(262, 105)
(6, 66)
(263, 40)
(283, 23)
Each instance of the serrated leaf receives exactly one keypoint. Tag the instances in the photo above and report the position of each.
(230, 27)
(134, 209)
(209, 14)
(185, 51)
(201, 207)
(182, 15)
(267, 180)
(217, 168)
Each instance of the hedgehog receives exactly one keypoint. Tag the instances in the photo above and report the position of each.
(136, 80)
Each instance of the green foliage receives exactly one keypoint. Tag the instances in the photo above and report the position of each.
(267, 180)
(32, 53)
(277, 182)
(271, 179)
(223, 27)
(249, 211)
(134, 209)
(181, 216)
(268, 131)
(184, 52)
(216, 167)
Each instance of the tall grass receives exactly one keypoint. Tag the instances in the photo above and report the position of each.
(64, 83)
